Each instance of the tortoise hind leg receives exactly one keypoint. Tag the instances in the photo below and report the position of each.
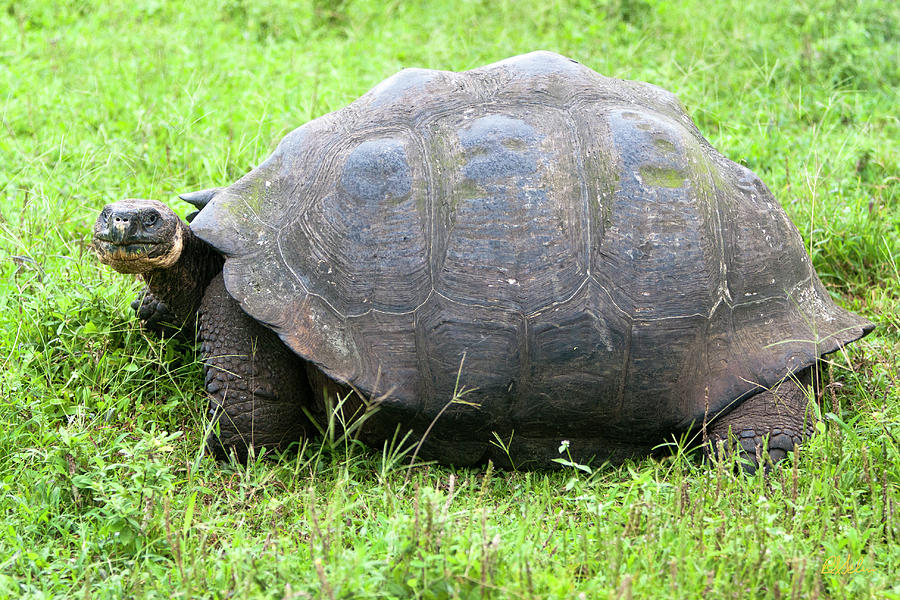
(783, 416)
(255, 385)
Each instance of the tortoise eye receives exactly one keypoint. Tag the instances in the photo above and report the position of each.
(150, 219)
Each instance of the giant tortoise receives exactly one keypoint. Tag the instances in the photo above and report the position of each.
(495, 261)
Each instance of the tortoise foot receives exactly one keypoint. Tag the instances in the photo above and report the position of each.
(767, 426)
(155, 315)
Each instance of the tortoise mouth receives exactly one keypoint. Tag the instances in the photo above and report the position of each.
(130, 257)
(126, 250)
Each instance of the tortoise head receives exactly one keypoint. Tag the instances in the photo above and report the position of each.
(137, 236)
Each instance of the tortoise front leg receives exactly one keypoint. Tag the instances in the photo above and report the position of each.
(255, 385)
(781, 417)
(154, 314)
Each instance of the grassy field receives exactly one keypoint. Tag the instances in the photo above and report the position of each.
(104, 491)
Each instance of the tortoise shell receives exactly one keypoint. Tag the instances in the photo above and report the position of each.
(565, 248)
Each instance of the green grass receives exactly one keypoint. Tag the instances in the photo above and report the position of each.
(103, 488)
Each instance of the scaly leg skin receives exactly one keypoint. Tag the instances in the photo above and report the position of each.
(781, 415)
(255, 385)
(155, 315)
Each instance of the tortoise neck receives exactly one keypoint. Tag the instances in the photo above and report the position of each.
(182, 285)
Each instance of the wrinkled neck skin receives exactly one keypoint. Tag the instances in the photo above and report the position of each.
(181, 286)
